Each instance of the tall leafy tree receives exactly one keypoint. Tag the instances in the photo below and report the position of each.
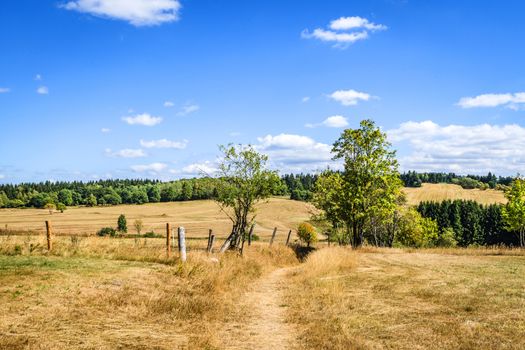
(244, 181)
(514, 212)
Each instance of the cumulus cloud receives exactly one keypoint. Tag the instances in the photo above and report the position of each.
(164, 143)
(344, 31)
(4, 90)
(349, 97)
(152, 168)
(135, 12)
(461, 148)
(126, 153)
(289, 152)
(2, 176)
(42, 90)
(187, 109)
(203, 168)
(38, 77)
(493, 100)
(168, 104)
(335, 121)
(105, 130)
(142, 119)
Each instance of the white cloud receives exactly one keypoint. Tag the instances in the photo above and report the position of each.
(4, 90)
(2, 176)
(164, 143)
(204, 168)
(38, 77)
(349, 97)
(305, 99)
(295, 153)
(136, 12)
(42, 90)
(152, 168)
(105, 130)
(335, 121)
(344, 31)
(189, 109)
(493, 100)
(462, 148)
(168, 104)
(347, 23)
(143, 119)
(126, 153)
(235, 133)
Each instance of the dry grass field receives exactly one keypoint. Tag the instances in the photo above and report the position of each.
(440, 192)
(196, 216)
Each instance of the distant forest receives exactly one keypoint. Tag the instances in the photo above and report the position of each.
(114, 192)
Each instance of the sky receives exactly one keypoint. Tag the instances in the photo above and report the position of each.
(96, 89)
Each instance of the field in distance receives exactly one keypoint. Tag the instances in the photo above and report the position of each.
(196, 216)
(441, 192)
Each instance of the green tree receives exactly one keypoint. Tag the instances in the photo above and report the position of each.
(61, 207)
(91, 200)
(65, 197)
(514, 211)
(154, 194)
(243, 181)
(122, 225)
(369, 185)
(307, 233)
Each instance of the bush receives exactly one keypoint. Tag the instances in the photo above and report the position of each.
(307, 233)
(415, 230)
(105, 231)
(446, 238)
(151, 234)
(61, 207)
(122, 224)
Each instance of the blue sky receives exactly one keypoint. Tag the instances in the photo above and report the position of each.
(136, 88)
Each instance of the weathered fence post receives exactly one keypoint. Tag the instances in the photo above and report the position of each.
(182, 243)
(168, 238)
(250, 235)
(210, 246)
(210, 232)
(288, 238)
(173, 239)
(273, 236)
(48, 236)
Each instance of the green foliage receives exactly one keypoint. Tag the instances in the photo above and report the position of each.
(368, 188)
(122, 225)
(61, 207)
(307, 233)
(107, 231)
(446, 238)
(415, 230)
(243, 182)
(65, 196)
(91, 201)
(514, 211)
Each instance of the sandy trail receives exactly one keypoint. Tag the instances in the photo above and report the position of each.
(265, 326)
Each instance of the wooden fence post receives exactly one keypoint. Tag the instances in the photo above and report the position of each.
(288, 238)
(182, 243)
(168, 238)
(250, 235)
(48, 236)
(273, 236)
(210, 246)
(210, 232)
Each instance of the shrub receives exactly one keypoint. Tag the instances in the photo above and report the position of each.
(105, 231)
(151, 234)
(61, 207)
(446, 238)
(138, 225)
(122, 224)
(307, 233)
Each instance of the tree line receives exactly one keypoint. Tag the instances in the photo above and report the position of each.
(415, 179)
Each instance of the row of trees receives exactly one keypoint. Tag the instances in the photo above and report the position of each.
(415, 179)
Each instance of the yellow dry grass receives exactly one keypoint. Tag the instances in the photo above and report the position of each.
(393, 299)
(103, 293)
(196, 216)
(440, 192)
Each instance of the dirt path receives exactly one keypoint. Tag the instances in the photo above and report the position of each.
(265, 326)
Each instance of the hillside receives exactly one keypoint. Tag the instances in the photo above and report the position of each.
(196, 216)
(440, 192)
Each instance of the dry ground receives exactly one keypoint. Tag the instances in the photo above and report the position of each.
(440, 192)
(196, 216)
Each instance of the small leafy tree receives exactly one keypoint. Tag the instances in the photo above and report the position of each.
(61, 207)
(50, 207)
(138, 225)
(514, 211)
(243, 182)
(122, 225)
(91, 200)
(307, 233)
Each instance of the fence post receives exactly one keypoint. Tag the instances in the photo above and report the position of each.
(210, 232)
(210, 246)
(250, 235)
(273, 236)
(182, 243)
(48, 236)
(168, 237)
(288, 238)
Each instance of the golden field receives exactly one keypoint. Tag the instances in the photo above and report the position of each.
(440, 192)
